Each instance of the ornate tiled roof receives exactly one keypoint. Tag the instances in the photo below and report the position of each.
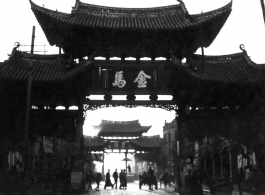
(166, 17)
(147, 143)
(127, 128)
(45, 68)
(125, 32)
(232, 68)
(94, 143)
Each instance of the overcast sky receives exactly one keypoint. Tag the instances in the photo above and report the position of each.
(245, 26)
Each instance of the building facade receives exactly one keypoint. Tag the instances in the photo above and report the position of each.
(170, 146)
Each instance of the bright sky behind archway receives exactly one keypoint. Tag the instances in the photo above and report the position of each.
(245, 26)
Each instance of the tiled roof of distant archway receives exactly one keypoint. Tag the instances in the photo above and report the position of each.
(122, 128)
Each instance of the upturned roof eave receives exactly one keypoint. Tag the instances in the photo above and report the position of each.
(144, 129)
(225, 8)
(233, 68)
(194, 20)
(45, 68)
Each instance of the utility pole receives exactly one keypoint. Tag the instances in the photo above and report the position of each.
(32, 40)
(27, 113)
(263, 9)
(28, 104)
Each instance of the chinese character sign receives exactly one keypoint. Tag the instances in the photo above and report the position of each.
(119, 81)
(141, 79)
(131, 78)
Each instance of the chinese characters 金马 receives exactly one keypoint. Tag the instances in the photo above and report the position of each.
(119, 81)
(141, 79)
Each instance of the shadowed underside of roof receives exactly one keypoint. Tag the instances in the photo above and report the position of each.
(233, 68)
(145, 142)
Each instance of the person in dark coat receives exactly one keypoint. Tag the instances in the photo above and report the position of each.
(115, 176)
(165, 178)
(125, 178)
(194, 187)
(89, 178)
(98, 179)
(108, 181)
(129, 168)
(123, 183)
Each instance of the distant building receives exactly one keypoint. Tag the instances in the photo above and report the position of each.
(170, 144)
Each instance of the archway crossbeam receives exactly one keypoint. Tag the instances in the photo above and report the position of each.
(94, 105)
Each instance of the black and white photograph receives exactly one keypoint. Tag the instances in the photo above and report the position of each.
(122, 97)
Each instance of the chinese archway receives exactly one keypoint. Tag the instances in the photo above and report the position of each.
(211, 94)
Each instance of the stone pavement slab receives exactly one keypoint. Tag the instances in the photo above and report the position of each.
(132, 189)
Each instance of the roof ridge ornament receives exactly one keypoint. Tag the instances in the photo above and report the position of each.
(76, 7)
(183, 7)
(14, 50)
(242, 47)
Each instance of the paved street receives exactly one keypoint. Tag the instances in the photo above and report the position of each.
(133, 188)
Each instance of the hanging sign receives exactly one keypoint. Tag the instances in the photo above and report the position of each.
(129, 79)
(124, 77)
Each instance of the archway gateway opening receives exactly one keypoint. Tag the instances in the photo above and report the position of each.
(127, 140)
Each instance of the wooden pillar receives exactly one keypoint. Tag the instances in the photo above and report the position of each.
(181, 121)
(222, 171)
(213, 166)
(103, 166)
(79, 129)
(126, 163)
(230, 166)
(204, 166)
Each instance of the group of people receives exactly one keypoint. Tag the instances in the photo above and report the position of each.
(122, 175)
(90, 177)
(115, 175)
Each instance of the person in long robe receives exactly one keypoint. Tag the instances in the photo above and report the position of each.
(108, 181)
(115, 176)
(125, 178)
(121, 176)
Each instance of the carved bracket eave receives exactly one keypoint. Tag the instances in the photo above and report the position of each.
(165, 106)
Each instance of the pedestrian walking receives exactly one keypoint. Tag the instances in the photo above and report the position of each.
(122, 176)
(98, 179)
(125, 178)
(165, 179)
(108, 181)
(248, 179)
(89, 178)
(129, 168)
(115, 176)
